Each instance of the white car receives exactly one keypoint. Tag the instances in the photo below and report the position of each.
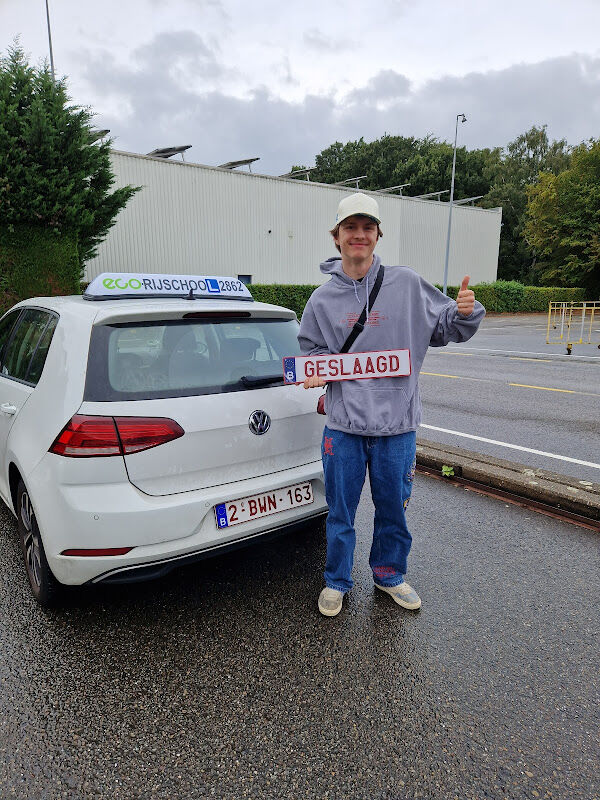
(144, 425)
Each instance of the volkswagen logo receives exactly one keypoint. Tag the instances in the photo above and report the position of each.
(259, 422)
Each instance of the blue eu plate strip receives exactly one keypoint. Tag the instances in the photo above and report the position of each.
(289, 370)
(221, 516)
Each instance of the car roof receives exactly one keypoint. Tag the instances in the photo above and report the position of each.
(105, 310)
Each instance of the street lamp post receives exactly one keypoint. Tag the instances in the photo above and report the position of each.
(462, 119)
(50, 41)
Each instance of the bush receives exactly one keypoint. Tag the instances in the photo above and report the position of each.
(36, 261)
(280, 294)
(537, 298)
(499, 297)
(504, 297)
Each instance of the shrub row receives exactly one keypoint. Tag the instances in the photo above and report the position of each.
(36, 262)
(511, 296)
(501, 296)
(280, 294)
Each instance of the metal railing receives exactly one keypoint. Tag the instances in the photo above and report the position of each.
(573, 323)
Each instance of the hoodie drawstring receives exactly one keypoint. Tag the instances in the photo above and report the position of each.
(358, 298)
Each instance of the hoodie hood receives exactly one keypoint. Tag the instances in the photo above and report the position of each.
(333, 268)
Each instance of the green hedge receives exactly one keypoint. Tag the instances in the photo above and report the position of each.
(510, 296)
(280, 294)
(501, 296)
(36, 262)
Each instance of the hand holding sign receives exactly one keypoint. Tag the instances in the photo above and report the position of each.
(314, 381)
(465, 299)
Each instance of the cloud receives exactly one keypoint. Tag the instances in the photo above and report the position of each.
(284, 71)
(180, 54)
(316, 40)
(171, 95)
(385, 87)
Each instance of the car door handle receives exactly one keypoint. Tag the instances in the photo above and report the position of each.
(7, 408)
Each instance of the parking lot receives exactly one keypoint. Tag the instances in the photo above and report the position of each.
(223, 680)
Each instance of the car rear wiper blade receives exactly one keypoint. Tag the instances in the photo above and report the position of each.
(260, 380)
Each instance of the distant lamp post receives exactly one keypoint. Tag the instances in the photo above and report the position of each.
(462, 118)
(50, 41)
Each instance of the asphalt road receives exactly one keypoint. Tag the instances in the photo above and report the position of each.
(542, 403)
(224, 681)
(528, 332)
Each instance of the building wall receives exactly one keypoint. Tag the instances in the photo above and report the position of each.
(194, 219)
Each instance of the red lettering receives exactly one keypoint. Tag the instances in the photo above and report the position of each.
(333, 367)
(272, 502)
(321, 369)
(309, 369)
(381, 363)
(394, 363)
(369, 365)
(262, 505)
(342, 372)
(357, 367)
(252, 509)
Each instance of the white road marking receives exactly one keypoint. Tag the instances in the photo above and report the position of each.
(513, 446)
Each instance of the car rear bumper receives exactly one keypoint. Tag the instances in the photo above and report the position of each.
(163, 532)
(150, 571)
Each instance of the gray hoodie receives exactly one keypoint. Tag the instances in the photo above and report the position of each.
(408, 313)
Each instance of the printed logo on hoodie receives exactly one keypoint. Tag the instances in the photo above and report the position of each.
(374, 320)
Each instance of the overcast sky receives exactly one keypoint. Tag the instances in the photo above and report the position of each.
(282, 81)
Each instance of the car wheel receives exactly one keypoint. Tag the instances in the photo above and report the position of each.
(45, 587)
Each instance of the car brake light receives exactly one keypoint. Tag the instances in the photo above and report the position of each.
(141, 433)
(85, 436)
(90, 436)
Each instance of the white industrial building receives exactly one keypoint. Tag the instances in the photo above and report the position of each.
(194, 219)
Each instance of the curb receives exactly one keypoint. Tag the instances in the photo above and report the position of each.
(550, 488)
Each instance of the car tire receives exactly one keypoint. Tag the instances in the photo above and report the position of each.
(44, 586)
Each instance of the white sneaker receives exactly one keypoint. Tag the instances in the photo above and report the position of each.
(330, 602)
(403, 594)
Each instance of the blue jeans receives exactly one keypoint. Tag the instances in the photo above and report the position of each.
(391, 463)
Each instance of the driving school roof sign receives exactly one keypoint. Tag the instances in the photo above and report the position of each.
(128, 285)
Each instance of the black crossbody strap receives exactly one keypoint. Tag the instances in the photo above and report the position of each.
(359, 325)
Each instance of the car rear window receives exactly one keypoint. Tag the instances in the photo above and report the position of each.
(179, 358)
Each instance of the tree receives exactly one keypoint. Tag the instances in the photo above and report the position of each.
(54, 173)
(521, 162)
(426, 164)
(563, 222)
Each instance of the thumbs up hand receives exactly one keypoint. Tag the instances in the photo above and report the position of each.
(465, 299)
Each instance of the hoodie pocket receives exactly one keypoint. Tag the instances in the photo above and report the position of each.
(363, 408)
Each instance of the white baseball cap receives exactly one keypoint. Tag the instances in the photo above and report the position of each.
(357, 203)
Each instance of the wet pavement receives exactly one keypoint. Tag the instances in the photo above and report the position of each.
(223, 680)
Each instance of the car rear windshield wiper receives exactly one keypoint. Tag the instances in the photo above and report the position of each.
(260, 380)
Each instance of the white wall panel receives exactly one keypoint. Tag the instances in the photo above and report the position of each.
(190, 219)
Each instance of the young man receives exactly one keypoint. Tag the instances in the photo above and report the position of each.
(372, 422)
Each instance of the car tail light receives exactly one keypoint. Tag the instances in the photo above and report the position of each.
(90, 436)
(141, 433)
(100, 551)
(86, 436)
